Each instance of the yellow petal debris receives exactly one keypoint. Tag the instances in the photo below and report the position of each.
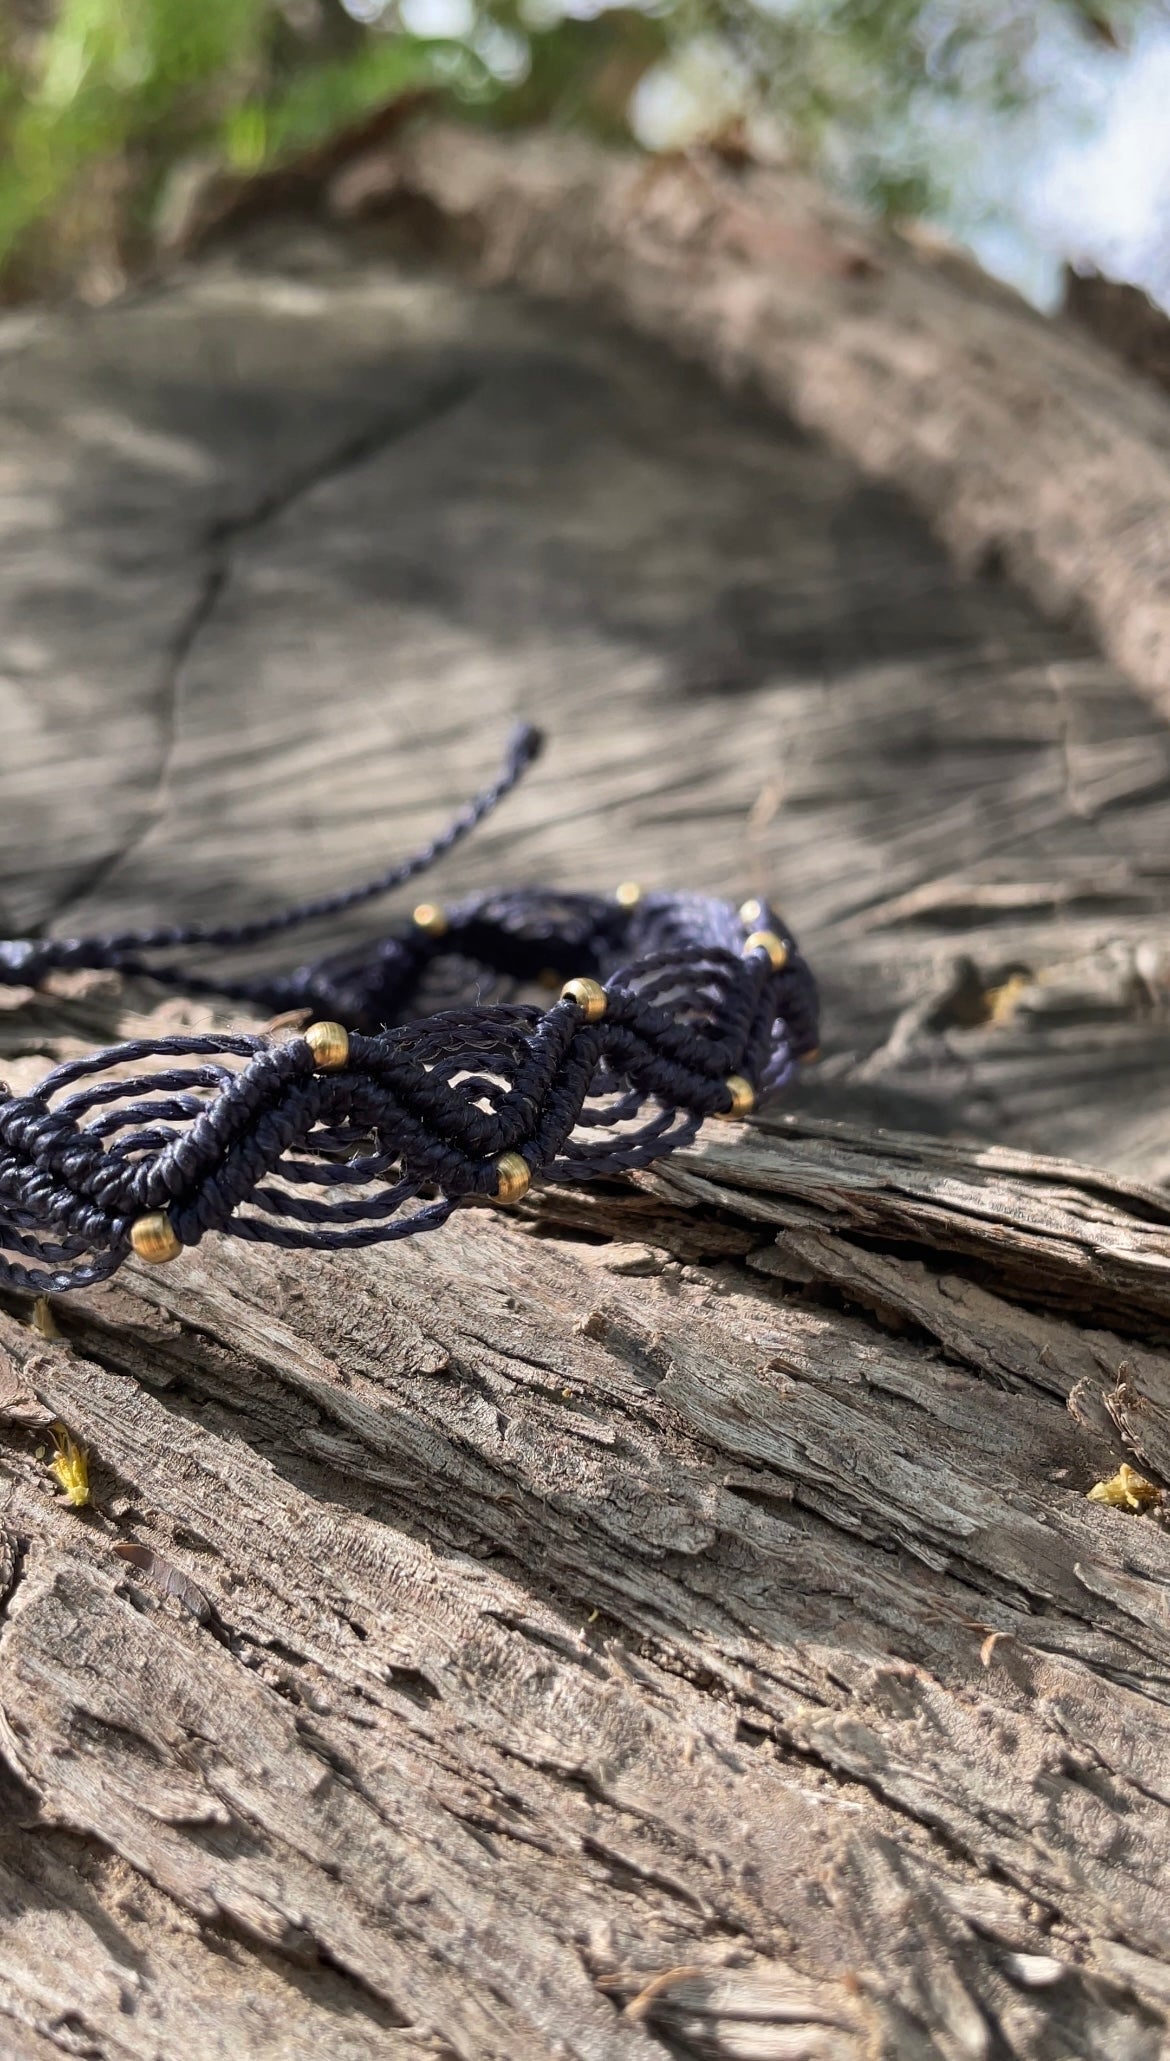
(1001, 1002)
(1128, 1490)
(71, 1467)
(43, 1319)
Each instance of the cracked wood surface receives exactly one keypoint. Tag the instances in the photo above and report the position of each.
(668, 1621)
(290, 543)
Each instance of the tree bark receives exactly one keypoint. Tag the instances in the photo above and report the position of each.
(669, 1620)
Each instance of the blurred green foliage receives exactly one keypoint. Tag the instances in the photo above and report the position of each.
(105, 104)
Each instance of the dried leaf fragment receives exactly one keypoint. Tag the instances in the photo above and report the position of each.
(71, 1467)
(1126, 1490)
(167, 1577)
(648, 1995)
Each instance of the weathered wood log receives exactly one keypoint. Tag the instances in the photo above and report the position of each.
(1030, 448)
(1122, 317)
(694, 1633)
(670, 1620)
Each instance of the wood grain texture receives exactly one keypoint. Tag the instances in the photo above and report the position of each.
(379, 515)
(590, 1624)
(668, 1621)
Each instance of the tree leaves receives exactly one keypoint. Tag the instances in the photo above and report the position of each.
(101, 107)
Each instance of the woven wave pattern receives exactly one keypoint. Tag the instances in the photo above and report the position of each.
(243, 1134)
(446, 1070)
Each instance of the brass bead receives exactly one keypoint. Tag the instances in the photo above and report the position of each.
(751, 913)
(590, 997)
(329, 1045)
(153, 1238)
(810, 1057)
(514, 1179)
(743, 1098)
(628, 895)
(767, 941)
(431, 917)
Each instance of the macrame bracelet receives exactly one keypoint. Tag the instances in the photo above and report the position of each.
(677, 1007)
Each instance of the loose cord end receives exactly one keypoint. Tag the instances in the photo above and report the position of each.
(525, 744)
(30, 960)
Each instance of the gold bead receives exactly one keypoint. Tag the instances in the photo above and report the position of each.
(628, 895)
(767, 941)
(589, 995)
(431, 917)
(810, 1057)
(153, 1238)
(514, 1179)
(329, 1045)
(743, 1098)
(751, 913)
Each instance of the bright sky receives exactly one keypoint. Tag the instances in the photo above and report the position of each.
(1090, 183)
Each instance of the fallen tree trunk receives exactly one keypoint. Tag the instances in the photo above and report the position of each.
(676, 1616)
(673, 1619)
(1029, 448)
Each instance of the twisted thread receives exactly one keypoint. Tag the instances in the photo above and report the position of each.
(26, 961)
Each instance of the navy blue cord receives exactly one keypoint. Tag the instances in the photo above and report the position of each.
(424, 1106)
(26, 961)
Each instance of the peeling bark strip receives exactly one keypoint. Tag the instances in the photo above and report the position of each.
(1027, 445)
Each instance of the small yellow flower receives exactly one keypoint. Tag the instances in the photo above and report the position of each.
(71, 1467)
(1127, 1490)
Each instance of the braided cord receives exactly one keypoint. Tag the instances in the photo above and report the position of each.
(25, 961)
(411, 1100)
